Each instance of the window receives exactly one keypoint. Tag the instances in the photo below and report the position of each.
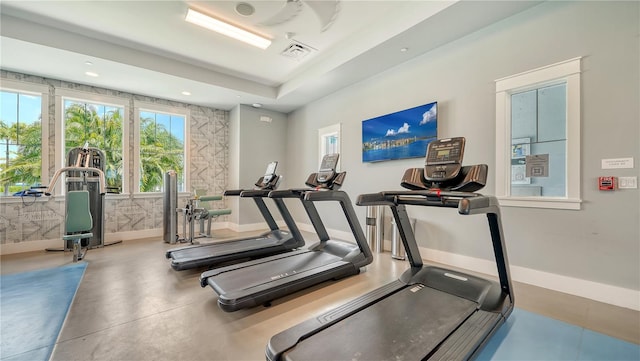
(162, 139)
(23, 136)
(538, 137)
(329, 141)
(99, 121)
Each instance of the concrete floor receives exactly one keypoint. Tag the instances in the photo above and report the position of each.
(132, 306)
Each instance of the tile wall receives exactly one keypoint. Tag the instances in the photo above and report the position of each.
(42, 220)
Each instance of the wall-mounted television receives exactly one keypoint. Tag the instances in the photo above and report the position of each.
(400, 135)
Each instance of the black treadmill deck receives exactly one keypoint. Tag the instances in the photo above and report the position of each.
(217, 249)
(390, 329)
(262, 281)
(214, 253)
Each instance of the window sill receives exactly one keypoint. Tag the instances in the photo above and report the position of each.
(540, 202)
(157, 194)
(27, 200)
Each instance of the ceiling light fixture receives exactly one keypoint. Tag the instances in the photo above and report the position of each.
(90, 73)
(229, 30)
(186, 93)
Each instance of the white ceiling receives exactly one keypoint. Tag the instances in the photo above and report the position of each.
(146, 47)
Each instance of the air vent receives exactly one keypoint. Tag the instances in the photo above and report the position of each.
(297, 51)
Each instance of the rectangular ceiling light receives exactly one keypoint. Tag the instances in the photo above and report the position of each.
(229, 30)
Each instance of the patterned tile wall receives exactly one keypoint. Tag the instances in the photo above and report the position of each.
(209, 152)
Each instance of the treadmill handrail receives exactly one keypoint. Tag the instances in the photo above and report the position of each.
(255, 193)
(431, 197)
(349, 213)
(289, 193)
(233, 192)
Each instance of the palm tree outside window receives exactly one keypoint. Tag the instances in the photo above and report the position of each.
(20, 141)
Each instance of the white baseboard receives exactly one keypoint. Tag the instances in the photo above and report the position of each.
(333, 233)
(618, 296)
(613, 295)
(39, 245)
(31, 246)
(249, 227)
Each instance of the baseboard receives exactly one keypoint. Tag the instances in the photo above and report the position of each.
(249, 227)
(618, 296)
(39, 245)
(129, 235)
(613, 295)
(30, 246)
(333, 233)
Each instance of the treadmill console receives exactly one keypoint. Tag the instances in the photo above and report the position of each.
(270, 178)
(327, 177)
(328, 168)
(444, 159)
(270, 172)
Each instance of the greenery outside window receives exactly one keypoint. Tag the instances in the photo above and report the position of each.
(100, 121)
(23, 136)
(538, 137)
(162, 138)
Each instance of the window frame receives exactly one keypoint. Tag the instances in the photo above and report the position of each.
(325, 132)
(569, 72)
(139, 106)
(65, 94)
(41, 90)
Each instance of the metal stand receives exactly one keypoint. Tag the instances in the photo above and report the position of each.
(189, 215)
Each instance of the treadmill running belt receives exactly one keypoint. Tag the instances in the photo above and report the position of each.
(389, 329)
(223, 248)
(264, 273)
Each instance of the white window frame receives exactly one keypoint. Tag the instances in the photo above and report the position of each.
(65, 94)
(327, 132)
(563, 72)
(41, 90)
(139, 106)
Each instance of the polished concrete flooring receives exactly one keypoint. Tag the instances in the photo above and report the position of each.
(132, 306)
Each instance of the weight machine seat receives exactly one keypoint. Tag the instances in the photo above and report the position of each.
(78, 221)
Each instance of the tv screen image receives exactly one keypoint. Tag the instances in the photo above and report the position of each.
(400, 135)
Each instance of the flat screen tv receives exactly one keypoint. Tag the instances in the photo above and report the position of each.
(400, 135)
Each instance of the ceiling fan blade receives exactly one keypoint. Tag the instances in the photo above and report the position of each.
(290, 10)
(327, 12)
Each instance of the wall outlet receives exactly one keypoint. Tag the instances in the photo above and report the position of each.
(627, 182)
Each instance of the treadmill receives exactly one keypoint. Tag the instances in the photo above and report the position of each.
(237, 250)
(429, 312)
(260, 281)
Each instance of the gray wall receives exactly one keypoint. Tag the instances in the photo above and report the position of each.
(599, 243)
(208, 170)
(255, 144)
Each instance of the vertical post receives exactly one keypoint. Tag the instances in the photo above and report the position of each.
(170, 203)
(375, 227)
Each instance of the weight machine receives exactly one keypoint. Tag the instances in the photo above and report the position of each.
(84, 172)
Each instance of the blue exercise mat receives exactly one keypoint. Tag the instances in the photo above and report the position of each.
(529, 336)
(33, 307)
